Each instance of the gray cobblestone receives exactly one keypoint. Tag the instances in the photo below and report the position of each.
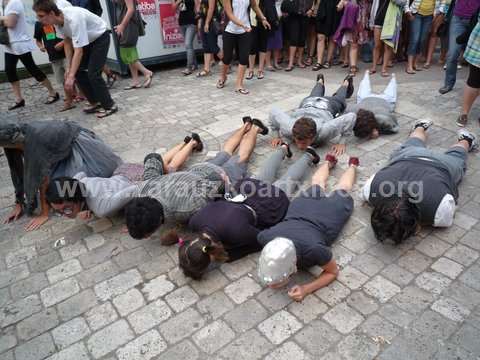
(462, 254)
(94, 241)
(73, 250)
(14, 274)
(343, 318)
(215, 305)
(242, 289)
(317, 338)
(361, 302)
(413, 300)
(250, 345)
(20, 310)
(450, 309)
(102, 342)
(280, 327)
(432, 282)
(70, 332)
(149, 316)
(182, 351)
(20, 256)
(246, 315)
(37, 324)
(128, 302)
(309, 309)
(333, 294)
(101, 316)
(352, 277)
(29, 286)
(358, 347)
(471, 277)
(36, 349)
(288, 351)
(77, 305)
(45, 262)
(7, 339)
(157, 288)
(210, 283)
(74, 352)
(144, 347)
(59, 292)
(64, 271)
(128, 259)
(181, 298)
(213, 336)
(97, 274)
(182, 325)
(118, 284)
(381, 289)
(376, 326)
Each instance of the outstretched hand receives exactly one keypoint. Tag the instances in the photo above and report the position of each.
(276, 142)
(338, 149)
(16, 213)
(36, 222)
(297, 293)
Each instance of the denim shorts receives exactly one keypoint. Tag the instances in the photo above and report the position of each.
(235, 170)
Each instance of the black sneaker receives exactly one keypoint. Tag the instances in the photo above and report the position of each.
(260, 124)
(321, 77)
(17, 105)
(289, 152)
(445, 89)
(315, 158)
(350, 88)
(199, 146)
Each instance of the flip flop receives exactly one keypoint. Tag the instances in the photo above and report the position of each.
(66, 108)
(132, 87)
(242, 91)
(204, 73)
(221, 83)
(372, 72)
(52, 99)
(92, 109)
(384, 74)
(289, 68)
(410, 72)
(261, 125)
(260, 75)
(317, 67)
(106, 112)
(301, 66)
(249, 75)
(146, 84)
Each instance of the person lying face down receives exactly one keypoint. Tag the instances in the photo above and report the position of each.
(40, 150)
(106, 196)
(227, 229)
(419, 187)
(175, 198)
(305, 236)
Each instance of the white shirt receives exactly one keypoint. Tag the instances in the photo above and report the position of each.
(62, 4)
(240, 10)
(444, 214)
(20, 40)
(80, 25)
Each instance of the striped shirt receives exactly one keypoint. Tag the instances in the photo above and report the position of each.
(472, 52)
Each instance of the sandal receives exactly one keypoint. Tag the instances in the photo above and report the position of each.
(426, 66)
(289, 68)
(410, 72)
(79, 99)
(107, 112)
(204, 73)
(372, 71)
(17, 105)
(221, 83)
(308, 61)
(187, 72)
(344, 66)
(52, 99)
(249, 75)
(67, 107)
(384, 74)
(111, 78)
(277, 67)
(242, 91)
(146, 84)
(92, 109)
(317, 67)
(353, 70)
(301, 66)
(260, 75)
(270, 68)
(326, 65)
(132, 87)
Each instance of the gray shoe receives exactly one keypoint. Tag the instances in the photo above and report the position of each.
(424, 123)
(464, 134)
(462, 120)
(445, 89)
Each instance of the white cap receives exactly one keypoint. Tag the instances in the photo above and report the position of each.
(278, 261)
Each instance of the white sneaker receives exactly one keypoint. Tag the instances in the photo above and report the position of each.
(459, 66)
(424, 123)
(464, 134)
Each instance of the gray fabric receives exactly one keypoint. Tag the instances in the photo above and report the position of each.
(153, 166)
(235, 170)
(291, 179)
(387, 121)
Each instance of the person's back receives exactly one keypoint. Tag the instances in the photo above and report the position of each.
(383, 111)
(81, 25)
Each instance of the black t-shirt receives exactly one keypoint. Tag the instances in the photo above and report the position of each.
(421, 179)
(47, 34)
(187, 16)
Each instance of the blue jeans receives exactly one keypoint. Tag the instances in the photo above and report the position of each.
(457, 27)
(188, 32)
(419, 30)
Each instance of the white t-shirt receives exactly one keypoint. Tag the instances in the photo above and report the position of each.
(20, 40)
(62, 4)
(240, 10)
(80, 25)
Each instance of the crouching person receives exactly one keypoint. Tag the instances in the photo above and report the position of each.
(305, 236)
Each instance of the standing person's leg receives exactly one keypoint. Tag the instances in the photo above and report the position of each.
(244, 44)
(365, 87)
(425, 30)
(321, 40)
(228, 47)
(387, 57)
(291, 180)
(302, 37)
(83, 81)
(457, 27)
(11, 61)
(377, 49)
(33, 69)
(353, 57)
(293, 27)
(269, 168)
(97, 59)
(331, 50)
(262, 51)
(470, 94)
(147, 74)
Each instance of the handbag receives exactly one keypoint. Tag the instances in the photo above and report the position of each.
(4, 37)
(135, 27)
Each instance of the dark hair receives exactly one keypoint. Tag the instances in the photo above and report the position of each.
(65, 189)
(395, 218)
(194, 255)
(365, 123)
(46, 6)
(143, 215)
(304, 129)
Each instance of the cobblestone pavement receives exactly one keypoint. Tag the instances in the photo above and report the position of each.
(106, 296)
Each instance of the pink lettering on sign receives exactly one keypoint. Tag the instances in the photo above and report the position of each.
(147, 7)
(172, 36)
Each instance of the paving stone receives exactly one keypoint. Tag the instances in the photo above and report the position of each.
(94, 241)
(44, 262)
(432, 282)
(465, 295)
(363, 303)
(182, 351)
(309, 309)
(368, 264)
(64, 271)
(280, 327)
(70, 332)
(58, 292)
(464, 221)
(412, 346)
(343, 318)
(358, 347)
(471, 239)
(462, 255)
(157, 288)
(451, 234)
(333, 294)
(242, 289)
(395, 315)
(20, 256)
(149, 316)
(211, 282)
(352, 277)
(100, 255)
(144, 347)
(447, 267)
(288, 351)
(450, 309)
(250, 345)
(77, 305)
(317, 338)
(158, 266)
(471, 277)
(97, 274)
(398, 275)
(131, 258)
(73, 250)
(101, 343)
(246, 315)
(274, 299)
(101, 316)
(467, 338)
(414, 261)
(381, 288)
(181, 298)
(36, 349)
(376, 326)
(118, 284)
(128, 302)
(7, 356)
(343, 256)
(432, 324)
(182, 325)
(432, 247)
(7, 339)
(213, 336)
(19, 310)
(236, 269)
(37, 324)
(29, 286)
(358, 244)
(13, 275)
(100, 225)
(77, 351)
(413, 300)
(453, 352)
(215, 305)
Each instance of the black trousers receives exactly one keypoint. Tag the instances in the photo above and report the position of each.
(11, 62)
(240, 42)
(259, 40)
(89, 75)
(336, 103)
